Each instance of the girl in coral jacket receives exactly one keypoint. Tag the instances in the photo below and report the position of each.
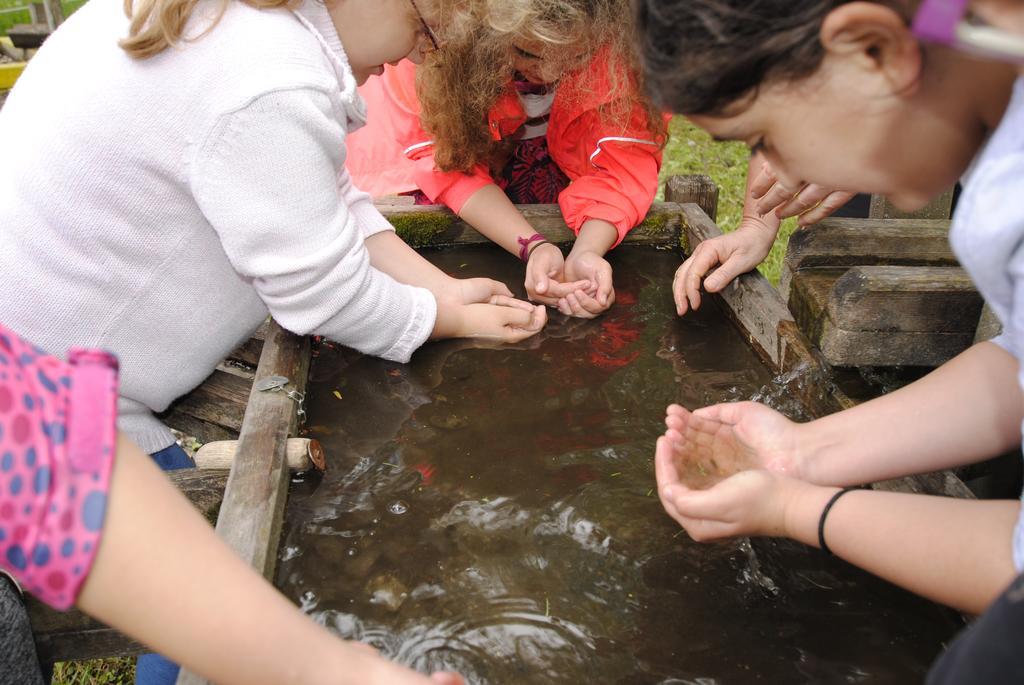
(526, 102)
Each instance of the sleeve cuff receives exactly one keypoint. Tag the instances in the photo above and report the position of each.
(421, 325)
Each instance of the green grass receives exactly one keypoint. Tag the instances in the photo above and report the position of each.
(7, 20)
(101, 672)
(692, 151)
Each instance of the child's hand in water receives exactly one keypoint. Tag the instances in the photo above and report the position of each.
(501, 318)
(588, 302)
(752, 502)
(714, 443)
(545, 276)
(734, 253)
(725, 470)
(473, 290)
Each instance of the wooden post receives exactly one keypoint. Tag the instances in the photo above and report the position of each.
(696, 188)
(303, 454)
(253, 509)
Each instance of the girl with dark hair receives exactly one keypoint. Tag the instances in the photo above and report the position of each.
(848, 95)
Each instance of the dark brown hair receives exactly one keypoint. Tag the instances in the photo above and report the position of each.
(700, 56)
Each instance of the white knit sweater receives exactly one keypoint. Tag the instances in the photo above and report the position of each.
(161, 208)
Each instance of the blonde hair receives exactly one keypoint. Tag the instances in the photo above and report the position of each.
(159, 24)
(459, 84)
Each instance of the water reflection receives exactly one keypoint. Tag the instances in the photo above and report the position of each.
(491, 510)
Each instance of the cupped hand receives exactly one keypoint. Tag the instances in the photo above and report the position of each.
(713, 443)
(810, 202)
(545, 276)
(751, 502)
(503, 319)
(732, 253)
(594, 300)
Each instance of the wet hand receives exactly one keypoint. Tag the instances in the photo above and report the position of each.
(753, 502)
(590, 302)
(470, 290)
(713, 443)
(502, 319)
(733, 254)
(810, 202)
(545, 276)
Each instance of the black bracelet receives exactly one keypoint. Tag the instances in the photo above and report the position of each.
(824, 514)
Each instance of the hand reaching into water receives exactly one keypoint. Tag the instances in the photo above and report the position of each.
(501, 318)
(587, 303)
(476, 290)
(733, 253)
(721, 470)
(546, 281)
(713, 443)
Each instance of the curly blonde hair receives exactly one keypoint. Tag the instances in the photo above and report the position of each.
(459, 84)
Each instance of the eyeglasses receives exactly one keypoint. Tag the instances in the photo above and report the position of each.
(427, 31)
(944, 22)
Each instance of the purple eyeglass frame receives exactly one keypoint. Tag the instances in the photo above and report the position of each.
(942, 22)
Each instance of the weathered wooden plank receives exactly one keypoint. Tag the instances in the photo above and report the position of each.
(72, 636)
(250, 517)
(937, 299)
(214, 410)
(751, 301)
(437, 226)
(874, 348)
(696, 188)
(867, 242)
(811, 301)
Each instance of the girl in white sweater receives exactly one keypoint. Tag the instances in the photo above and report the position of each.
(159, 201)
(171, 177)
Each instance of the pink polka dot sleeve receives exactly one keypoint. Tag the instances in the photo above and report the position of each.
(57, 442)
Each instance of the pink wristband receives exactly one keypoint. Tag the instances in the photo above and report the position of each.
(524, 245)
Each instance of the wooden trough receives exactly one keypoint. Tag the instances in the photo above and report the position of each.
(881, 292)
(248, 502)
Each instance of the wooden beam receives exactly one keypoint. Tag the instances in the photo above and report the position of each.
(876, 333)
(251, 515)
(696, 188)
(754, 305)
(867, 242)
(939, 299)
(214, 410)
(437, 226)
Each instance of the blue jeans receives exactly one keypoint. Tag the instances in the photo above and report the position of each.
(153, 669)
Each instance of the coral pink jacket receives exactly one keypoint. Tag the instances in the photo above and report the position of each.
(613, 166)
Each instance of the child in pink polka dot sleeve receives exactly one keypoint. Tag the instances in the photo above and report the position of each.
(87, 519)
(57, 438)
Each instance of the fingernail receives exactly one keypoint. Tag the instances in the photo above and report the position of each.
(669, 491)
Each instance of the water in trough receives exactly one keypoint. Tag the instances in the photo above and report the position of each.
(491, 510)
